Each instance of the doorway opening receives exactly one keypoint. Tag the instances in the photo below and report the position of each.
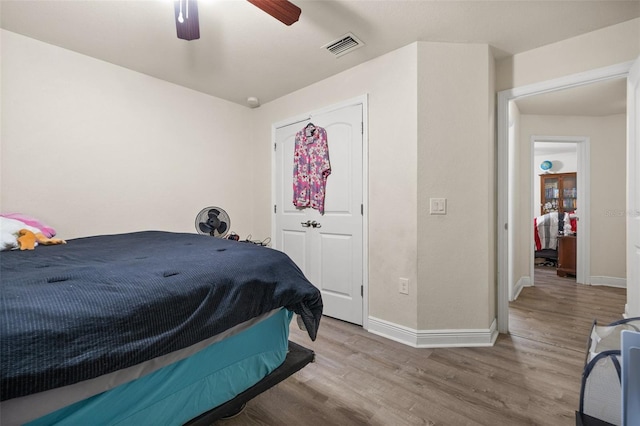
(560, 156)
(507, 166)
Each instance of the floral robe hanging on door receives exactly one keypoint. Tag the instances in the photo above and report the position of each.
(311, 168)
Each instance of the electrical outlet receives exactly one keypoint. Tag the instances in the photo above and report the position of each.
(403, 286)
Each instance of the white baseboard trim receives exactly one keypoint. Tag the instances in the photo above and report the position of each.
(434, 338)
(522, 283)
(625, 315)
(609, 281)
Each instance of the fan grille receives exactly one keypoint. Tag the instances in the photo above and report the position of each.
(213, 221)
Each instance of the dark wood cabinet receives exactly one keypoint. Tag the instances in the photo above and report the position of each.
(558, 192)
(566, 256)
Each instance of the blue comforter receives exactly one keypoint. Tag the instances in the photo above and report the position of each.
(99, 304)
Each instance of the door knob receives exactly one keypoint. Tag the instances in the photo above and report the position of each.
(316, 224)
(306, 224)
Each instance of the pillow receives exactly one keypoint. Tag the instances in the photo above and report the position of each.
(47, 231)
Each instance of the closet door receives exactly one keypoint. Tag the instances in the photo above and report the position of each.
(327, 247)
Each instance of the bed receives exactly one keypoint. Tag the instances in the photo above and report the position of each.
(546, 229)
(146, 328)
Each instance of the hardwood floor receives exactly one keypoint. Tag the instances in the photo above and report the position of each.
(529, 377)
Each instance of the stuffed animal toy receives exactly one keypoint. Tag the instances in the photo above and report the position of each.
(15, 234)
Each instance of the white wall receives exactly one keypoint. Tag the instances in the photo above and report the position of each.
(430, 135)
(124, 152)
(456, 270)
(93, 148)
(608, 46)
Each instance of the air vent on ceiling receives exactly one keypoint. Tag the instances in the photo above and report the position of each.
(345, 44)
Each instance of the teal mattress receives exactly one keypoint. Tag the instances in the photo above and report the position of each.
(185, 389)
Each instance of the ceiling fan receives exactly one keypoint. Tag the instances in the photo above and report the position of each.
(188, 27)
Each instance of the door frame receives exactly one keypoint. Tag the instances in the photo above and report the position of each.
(359, 100)
(632, 308)
(506, 193)
(583, 255)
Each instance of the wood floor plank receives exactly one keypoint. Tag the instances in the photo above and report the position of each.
(529, 377)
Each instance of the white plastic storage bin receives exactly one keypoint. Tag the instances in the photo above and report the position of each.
(601, 393)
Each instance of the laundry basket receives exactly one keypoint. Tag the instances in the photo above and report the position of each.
(601, 393)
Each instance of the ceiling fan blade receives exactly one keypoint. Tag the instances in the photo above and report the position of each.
(187, 12)
(283, 10)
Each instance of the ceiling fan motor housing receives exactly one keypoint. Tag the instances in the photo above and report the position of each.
(187, 23)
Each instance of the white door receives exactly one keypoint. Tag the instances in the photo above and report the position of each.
(633, 196)
(328, 248)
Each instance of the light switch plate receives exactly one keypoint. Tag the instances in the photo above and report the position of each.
(437, 206)
(403, 285)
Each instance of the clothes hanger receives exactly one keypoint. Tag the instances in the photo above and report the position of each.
(309, 129)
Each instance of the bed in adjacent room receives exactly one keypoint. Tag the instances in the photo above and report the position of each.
(146, 328)
(546, 229)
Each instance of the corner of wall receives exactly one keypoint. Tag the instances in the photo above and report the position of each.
(455, 105)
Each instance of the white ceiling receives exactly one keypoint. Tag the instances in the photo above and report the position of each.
(555, 148)
(598, 99)
(244, 52)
